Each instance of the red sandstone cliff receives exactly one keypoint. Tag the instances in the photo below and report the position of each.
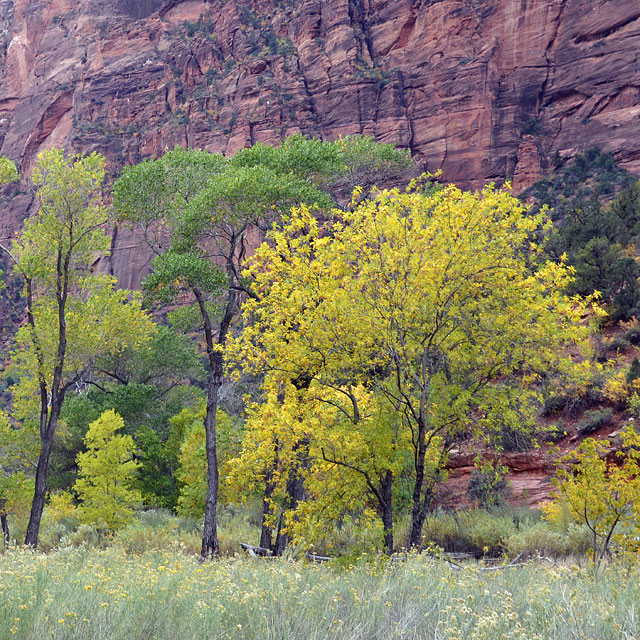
(483, 89)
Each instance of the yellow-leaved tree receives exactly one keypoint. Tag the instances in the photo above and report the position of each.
(105, 486)
(392, 332)
(603, 494)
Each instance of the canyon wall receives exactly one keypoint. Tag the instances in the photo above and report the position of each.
(482, 89)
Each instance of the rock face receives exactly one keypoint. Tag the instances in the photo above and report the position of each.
(482, 89)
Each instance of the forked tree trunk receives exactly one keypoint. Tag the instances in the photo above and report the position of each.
(210, 545)
(40, 489)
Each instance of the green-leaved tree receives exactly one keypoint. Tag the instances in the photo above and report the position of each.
(74, 316)
(200, 214)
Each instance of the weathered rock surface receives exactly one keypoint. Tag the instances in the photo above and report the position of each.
(484, 90)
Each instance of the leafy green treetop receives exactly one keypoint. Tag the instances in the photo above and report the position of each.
(74, 316)
(198, 212)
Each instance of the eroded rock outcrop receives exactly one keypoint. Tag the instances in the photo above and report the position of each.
(484, 90)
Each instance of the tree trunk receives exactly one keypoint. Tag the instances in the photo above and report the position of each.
(4, 525)
(295, 491)
(417, 517)
(386, 511)
(37, 506)
(266, 533)
(210, 545)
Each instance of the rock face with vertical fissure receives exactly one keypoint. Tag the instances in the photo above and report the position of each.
(482, 89)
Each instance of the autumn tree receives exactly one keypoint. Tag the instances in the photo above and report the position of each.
(74, 315)
(107, 471)
(601, 491)
(200, 212)
(421, 318)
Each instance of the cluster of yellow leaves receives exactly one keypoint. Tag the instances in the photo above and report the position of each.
(408, 317)
(107, 473)
(619, 390)
(600, 492)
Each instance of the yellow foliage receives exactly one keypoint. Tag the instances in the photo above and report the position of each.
(107, 473)
(402, 320)
(60, 507)
(600, 493)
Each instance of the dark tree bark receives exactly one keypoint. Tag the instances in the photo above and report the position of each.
(266, 531)
(385, 508)
(295, 492)
(417, 515)
(50, 406)
(4, 524)
(210, 544)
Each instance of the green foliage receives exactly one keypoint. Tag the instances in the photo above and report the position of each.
(634, 371)
(8, 171)
(191, 473)
(599, 239)
(573, 185)
(146, 386)
(107, 474)
(594, 420)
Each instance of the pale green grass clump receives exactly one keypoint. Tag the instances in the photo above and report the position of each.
(91, 595)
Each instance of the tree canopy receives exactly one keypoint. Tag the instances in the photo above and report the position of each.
(416, 319)
(74, 315)
(199, 213)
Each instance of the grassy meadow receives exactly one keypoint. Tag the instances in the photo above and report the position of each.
(97, 594)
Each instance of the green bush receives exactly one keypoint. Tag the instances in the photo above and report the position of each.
(594, 420)
(543, 539)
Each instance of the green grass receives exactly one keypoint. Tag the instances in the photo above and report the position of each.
(91, 594)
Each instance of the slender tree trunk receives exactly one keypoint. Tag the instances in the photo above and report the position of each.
(210, 545)
(4, 525)
(266, 533)
(417, 518)
(37, 506)
(386, 511)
